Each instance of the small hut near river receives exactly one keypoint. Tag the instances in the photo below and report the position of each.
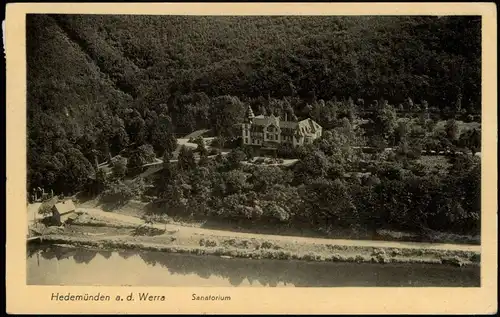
(63, 212)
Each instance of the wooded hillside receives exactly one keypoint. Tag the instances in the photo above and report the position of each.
(99, 83)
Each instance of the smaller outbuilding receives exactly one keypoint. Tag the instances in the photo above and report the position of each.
(63, 212)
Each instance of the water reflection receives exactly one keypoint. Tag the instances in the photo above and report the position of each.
(157, 268)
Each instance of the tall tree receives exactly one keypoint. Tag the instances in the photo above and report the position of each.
(225, 113)
(452, 130)
(163, 139)
(186, 160)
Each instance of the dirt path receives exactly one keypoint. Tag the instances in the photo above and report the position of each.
(210, 232)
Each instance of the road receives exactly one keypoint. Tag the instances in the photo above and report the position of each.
(342, 242)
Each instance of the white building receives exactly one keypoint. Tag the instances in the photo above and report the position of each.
(271, 131)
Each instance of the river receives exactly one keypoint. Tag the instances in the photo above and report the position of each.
(58, 265)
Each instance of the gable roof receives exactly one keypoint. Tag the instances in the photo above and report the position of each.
(64, 207)
(304, 127)
(308, 126)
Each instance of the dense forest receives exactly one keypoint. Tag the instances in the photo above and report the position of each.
(99, 85)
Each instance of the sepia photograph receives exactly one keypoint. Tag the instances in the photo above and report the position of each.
(252, 151)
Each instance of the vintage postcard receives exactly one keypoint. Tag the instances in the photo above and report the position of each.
(251, 158)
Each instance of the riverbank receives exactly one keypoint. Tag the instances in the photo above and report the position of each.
(134, 210)
(93, 231)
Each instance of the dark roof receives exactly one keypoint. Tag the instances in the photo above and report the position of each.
(304, 126)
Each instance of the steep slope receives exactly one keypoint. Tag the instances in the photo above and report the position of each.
(98, 83)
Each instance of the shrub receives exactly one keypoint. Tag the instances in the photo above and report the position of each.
(142, 155)
(268, 245)
(143, 230)
(476, 257)
(119, 192)
(119, 167)
(260, 160)
(210, 243)
(287, 151)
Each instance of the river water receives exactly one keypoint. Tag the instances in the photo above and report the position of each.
(57, 265)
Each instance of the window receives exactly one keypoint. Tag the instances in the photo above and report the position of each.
(246, 140)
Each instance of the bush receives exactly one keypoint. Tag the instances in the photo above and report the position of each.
(119, 192)
(217, 142)
(260, 160)
(249, 152)
(119, 167)
(287, 151)
(143, 230)
(142, 155)
(208, 243)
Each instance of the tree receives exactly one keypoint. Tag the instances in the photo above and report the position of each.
(452, 130)
(101, 181)
(378, 143)
(87, 145)
(225, 112)
(401, 132)
(234, 158)
(236, 182)
(249, 152)
(264, 177)
(166, 177)
(118, 193)
(119, 168)
(384, 121)
(471, 140)
(162, 136)
(142, 155)
(136, 128)
(186, 160)
(77, 170)
(117, 135)
(201, 148)
(328, 203)
(458, 104)
(313, 165)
